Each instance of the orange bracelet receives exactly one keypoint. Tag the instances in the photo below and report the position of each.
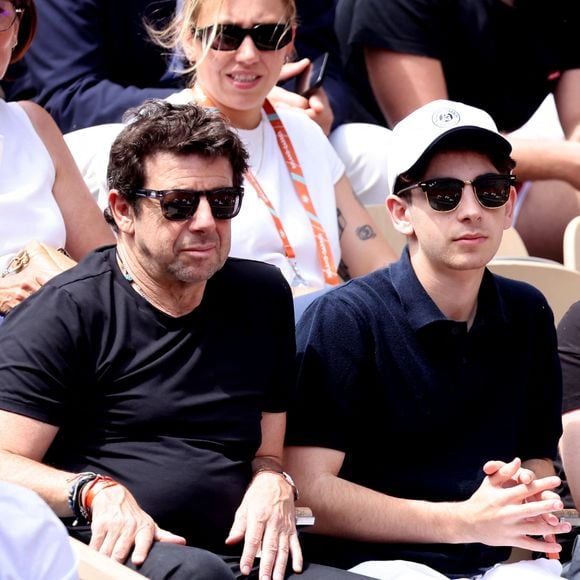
(98, 484)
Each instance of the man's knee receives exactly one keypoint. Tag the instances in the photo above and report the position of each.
(183, 563)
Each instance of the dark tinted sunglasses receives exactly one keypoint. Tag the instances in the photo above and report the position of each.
(181, 204)
(231, 36)
(492, 191)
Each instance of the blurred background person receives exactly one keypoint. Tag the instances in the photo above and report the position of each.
(504, 56)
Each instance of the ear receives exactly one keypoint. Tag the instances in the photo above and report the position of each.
(122, 212)
(398, 208)
(509, 208)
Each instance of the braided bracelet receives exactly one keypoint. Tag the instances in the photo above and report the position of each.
(74, 494)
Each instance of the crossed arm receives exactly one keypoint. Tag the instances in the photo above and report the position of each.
(508, 508)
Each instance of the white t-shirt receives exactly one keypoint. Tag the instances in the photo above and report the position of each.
(254, 234)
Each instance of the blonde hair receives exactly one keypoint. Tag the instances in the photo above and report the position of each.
(184, 26)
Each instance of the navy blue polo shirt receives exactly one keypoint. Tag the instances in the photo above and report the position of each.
(418, 403)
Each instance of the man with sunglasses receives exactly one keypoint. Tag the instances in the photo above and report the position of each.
(427, 412)
(143, 393)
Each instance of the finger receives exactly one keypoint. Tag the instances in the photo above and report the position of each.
(528, 543)
(492, 467)
(296, 551)
(238, 529)
(143, 542)
(117, 546)
(252, 545)
(551, 539)
(291, 69)
(525, 476)
(272, 543)
(538, 508)
(168, 537)
(281, 558)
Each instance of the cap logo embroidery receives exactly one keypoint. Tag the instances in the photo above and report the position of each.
(445, 118)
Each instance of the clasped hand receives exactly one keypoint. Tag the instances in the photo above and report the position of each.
(511, 505)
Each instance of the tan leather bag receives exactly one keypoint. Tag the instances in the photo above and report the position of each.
(41, 258)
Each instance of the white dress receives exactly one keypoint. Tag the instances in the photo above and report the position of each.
(28, 209)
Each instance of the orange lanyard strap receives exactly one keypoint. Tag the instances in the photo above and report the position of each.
(295, 170)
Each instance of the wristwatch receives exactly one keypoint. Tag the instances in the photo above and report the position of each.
(285, 475)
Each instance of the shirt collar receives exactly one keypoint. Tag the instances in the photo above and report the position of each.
(420, 308)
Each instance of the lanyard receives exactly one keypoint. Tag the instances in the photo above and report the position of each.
(295, 170)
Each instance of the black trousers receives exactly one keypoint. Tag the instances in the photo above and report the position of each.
(175, 562)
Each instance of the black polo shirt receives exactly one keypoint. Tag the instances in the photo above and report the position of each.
(417, 403)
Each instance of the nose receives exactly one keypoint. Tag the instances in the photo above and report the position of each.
(469, 206)
(203, 218)
(247, 51)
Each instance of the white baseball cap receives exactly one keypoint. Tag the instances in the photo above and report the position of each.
(418, 133)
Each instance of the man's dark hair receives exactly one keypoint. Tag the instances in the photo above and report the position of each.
(158, 126)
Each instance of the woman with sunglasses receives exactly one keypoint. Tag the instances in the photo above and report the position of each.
(299, 211)
(42, 194)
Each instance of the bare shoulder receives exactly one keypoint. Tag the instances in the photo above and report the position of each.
(41, 120)
(49, 132)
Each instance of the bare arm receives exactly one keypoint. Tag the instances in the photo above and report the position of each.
(86, 228)
(118, 523)
(23, 444)
(363, 247)
(570, 450)
(265, 519)
(495, 514)
(567, 99)
(402, 82)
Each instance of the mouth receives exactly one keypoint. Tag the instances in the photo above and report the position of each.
(244, 78)
(200, 249)
(471, 238)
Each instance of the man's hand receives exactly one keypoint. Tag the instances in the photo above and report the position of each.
(511, 505)
(317, 107)
(119, 524)
(265, 520)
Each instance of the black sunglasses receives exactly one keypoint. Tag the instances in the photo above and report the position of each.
(492, 190)
(231, 36)
(181, 204)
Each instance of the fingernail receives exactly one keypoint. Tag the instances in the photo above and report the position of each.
(245, 570)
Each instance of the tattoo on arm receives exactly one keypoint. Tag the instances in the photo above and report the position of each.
(365, 232)
(341, 223)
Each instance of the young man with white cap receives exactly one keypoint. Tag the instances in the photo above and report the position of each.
(427, 412)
